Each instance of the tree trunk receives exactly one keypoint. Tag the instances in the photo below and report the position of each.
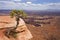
(17, 21)
(16, 25)
(12, 31)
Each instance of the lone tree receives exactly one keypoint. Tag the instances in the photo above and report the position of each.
(17, 14)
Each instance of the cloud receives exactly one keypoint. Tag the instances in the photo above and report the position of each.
(10, 0)
(28, 2)
(28, 5)
(16, 0)
(8, 5)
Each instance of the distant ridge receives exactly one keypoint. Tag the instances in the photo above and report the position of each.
(44, 12)
(4, 12)
(35, 12)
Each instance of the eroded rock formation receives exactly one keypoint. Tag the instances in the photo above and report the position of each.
(6, 21)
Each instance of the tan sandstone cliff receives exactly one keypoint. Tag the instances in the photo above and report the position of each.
(6, 21)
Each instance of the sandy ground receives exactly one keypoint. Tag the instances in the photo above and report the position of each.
(6, 21)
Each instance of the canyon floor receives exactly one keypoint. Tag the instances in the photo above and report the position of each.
(46, 31)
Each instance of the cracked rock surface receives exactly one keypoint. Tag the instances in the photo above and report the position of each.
(7, 22)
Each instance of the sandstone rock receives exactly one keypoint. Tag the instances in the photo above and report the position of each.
(6, 21)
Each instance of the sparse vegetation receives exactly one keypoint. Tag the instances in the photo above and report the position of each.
(17, 14)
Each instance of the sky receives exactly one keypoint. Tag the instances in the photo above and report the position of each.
(30, 4)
